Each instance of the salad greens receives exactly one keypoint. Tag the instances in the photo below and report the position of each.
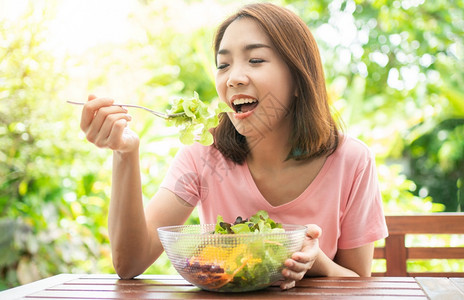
(240, 264)
(197, 121)
(260, 222)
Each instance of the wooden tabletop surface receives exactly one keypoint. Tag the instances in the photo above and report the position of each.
(106, 286)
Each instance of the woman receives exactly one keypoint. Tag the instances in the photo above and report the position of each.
(280, 151)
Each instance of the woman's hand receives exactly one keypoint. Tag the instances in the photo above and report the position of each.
(106, 126)
(300, 262)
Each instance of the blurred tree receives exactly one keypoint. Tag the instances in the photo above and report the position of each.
(44, 229)
(436, 160)
(393, 69)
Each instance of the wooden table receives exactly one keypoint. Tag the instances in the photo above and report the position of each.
(77, 286)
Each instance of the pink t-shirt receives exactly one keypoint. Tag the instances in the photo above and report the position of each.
(344, 198)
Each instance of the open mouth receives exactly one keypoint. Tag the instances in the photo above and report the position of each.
(244, 105)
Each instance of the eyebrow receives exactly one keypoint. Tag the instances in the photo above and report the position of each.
(248, 47)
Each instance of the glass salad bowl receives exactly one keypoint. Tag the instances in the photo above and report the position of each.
(230, 262)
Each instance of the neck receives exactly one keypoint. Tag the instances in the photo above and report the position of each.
(270, 151)
(265, 152)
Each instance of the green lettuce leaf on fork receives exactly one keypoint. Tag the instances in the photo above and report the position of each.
(197, 121)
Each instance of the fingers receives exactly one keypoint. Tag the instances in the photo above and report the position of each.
(301, 261)
(295, 270)
(313, 231)
(114, 140)
(103, 123)
(287, 284)
(90, 109)
(111, 131)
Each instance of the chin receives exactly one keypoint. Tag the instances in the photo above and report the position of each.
(249, 130)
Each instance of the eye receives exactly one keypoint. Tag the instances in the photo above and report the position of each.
(256, 61)
(222, 66)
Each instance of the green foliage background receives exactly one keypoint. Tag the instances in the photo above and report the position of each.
(394, 75)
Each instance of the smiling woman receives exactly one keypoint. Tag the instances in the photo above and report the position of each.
(53, 181)
(301, 78)
(294, 162)
(250, 70)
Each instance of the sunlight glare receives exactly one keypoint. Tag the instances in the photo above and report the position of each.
(80, 25)
(75, 26)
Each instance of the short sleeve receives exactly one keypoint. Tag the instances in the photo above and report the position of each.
(363, 220)
(183, 178)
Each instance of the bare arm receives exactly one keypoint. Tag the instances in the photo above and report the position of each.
(358, 259)
(132, 231)
(126, 220)
(347, 262)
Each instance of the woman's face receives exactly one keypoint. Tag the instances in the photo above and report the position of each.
(254, 80)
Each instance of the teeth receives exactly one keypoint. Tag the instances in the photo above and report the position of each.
(243, 101)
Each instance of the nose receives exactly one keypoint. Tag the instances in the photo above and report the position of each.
(237, 77)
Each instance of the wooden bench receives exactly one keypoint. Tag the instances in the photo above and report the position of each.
(396, 253)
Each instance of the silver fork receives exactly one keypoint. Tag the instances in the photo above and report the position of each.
(156, 113)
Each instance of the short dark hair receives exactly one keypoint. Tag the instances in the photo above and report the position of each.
(315, 132)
